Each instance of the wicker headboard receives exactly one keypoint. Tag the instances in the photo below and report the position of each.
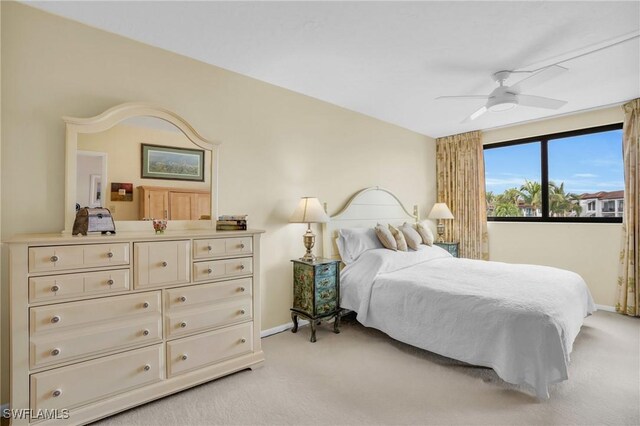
(365, 209)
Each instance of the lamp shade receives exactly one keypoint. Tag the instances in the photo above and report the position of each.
(440, 211)
(309, 210)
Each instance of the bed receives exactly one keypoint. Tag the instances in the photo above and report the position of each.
(519, 320)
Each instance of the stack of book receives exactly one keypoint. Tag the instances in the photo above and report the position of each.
(232, 223)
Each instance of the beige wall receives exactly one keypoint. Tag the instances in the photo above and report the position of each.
(277, 146)
(122, 144)
(589, 249)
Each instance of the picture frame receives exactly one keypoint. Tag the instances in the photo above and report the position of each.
(172, 163)
(121, 191)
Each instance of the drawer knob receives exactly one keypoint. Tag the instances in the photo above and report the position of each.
(209, 271)
(183, 324)
(164, 264)
(55, 319)
(110, 282)
(241, 289)
(55, 352)
(110, 254)
(242, 312)
(145, 305)
(241, 245)
(54, 258)
(184, 357)
(147, 367)
(183, 299)
(55, 288)
(241, 267)
(209, 248)
(145, 332)
(56, 393)
(243, 340)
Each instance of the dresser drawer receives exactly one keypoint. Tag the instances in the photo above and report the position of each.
(187, 297)
(58, 258)
(222, 247)
(199, 319)
(62, 316)
(50, 349)
(203, 271)
(198, 351)
(79, 384)
(161, 263)
(71, 285)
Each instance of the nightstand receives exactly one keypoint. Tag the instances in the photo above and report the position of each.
(316, 293)
(450, 247)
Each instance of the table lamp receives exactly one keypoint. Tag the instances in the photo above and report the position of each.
(309, 211)
(440, 211)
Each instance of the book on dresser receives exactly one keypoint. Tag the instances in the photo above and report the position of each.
(231, 223)
(104, 323)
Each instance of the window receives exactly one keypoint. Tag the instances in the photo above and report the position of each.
(572, 177)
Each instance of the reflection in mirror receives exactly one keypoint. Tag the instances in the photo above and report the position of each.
(177, 173)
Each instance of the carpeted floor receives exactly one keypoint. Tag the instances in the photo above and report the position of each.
(362, 377)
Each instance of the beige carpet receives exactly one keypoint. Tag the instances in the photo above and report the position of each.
(361, 376)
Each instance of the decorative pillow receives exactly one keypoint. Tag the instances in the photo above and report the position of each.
(425, 232)
(412, 236)
(352, 242)
(399, 237)
(385, 237)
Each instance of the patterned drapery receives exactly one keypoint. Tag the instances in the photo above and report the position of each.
(460, 171)
(628, 269)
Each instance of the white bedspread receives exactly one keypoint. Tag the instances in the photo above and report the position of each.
(520, 320)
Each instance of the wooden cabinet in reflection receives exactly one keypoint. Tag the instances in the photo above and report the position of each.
(174, 203)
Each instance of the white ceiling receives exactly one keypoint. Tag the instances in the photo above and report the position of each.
(390, 60)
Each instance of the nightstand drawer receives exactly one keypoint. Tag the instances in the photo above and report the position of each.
(452, 248)
(328, 269)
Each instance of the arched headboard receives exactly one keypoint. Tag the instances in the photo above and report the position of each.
(365, 209)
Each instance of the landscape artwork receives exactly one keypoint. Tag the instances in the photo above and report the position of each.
(163, 162)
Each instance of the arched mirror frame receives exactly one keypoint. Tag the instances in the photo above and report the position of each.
(111, 117)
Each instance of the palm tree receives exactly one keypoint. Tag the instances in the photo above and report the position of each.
(531, 193)
(506, 204)
(562, 203)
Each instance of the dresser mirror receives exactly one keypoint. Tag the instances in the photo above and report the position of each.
(141, 162)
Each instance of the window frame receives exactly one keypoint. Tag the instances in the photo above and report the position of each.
(543, 140)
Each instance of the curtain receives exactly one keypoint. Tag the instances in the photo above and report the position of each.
(628, 269)
(460, 181)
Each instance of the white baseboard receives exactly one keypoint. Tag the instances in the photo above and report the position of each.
(281, 328)
(606, 308)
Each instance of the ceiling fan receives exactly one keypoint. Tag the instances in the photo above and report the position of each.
(503, 98)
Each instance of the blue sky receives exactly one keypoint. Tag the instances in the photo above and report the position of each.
(588, 163)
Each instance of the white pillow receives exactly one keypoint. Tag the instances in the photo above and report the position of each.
(352, 242)
(425, 232)
(413, 238)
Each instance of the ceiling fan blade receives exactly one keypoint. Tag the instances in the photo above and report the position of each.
(476, 114)
(540, 102)
(464, 97)
(538, 78)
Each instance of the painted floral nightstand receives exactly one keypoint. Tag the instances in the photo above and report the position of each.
(450, 247)
(316, 293)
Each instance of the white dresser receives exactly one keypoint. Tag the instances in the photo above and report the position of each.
(100, 324)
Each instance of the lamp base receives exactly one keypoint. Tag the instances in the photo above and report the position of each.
(309, 239)
(440, 229)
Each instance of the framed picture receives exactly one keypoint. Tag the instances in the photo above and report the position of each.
(164, 162)
(95, 191)
(121, 191)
